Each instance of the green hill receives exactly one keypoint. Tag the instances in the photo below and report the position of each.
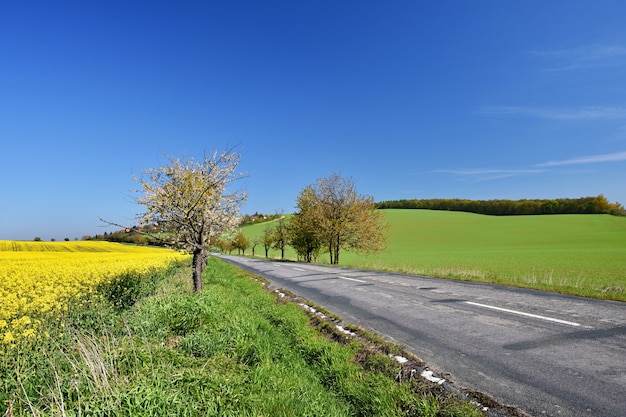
(574, 254)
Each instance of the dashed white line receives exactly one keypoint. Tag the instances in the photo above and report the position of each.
(350, 279)
(299, 269)
(521, 313)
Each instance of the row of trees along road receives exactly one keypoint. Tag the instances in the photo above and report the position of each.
(189, 205)
(331, 216)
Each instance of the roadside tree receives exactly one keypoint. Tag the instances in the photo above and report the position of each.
(267, 239)
(253, 246)
(303, 228)
(279, 237)
(346, 220)
(192, 203)
(225, 245)
(241, 243)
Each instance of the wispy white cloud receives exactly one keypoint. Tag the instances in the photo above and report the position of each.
(480, 174)
(581, 57)
(488, 174)
(581, 113)
(592, 159)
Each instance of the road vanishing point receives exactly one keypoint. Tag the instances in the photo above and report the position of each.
(545, 353)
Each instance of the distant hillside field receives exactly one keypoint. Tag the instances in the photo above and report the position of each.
(574, 254)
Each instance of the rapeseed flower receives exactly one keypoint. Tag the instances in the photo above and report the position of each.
(40, 279)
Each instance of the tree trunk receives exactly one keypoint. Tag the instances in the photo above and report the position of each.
(337, 251)
(198, 264)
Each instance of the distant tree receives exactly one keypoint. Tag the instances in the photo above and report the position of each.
(255, 242)
(192, 200)
(241, 242)
(617, 209)
(602, 204)
(279, 237)
(304, 232)
(225, 245)
(346, 219)
(37, 239)
(136, 238)
(53, 240)
(67, 239)
(267, 239)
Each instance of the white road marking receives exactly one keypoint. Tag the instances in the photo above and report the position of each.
(299, 269)
(521, 313)
(349, 279)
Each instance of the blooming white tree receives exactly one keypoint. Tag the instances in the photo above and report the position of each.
(192, 202)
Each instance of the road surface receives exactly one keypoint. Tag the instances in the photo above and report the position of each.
(548, 354)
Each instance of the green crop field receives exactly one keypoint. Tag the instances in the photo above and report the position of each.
(572, 254)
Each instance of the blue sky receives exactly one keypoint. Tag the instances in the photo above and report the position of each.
(411, 99)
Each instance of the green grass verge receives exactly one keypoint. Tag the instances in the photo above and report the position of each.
(581, 255)
(233, 349)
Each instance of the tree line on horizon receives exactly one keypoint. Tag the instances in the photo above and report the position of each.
(583, 205)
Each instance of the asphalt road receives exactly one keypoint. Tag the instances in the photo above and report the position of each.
(548, 354)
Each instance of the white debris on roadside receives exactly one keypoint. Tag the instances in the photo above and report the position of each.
(400, 359)
(324, 317)
(344, 330)
(280, 294)
(312, 310)
(479, 405)
(308, 308)
(429, 376)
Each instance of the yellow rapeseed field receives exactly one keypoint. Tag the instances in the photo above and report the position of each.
(39, 279)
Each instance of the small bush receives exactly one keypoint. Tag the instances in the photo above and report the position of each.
(122, 291)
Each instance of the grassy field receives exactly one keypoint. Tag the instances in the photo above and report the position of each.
(234, 349)
(572, 254)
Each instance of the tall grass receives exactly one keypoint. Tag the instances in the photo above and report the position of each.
(572, 254)
(233, 349)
